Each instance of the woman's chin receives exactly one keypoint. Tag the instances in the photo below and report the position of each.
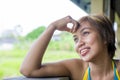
(86, 59)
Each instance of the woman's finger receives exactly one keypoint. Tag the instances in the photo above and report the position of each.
(75, 26)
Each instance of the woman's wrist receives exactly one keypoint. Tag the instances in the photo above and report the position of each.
(53, 27)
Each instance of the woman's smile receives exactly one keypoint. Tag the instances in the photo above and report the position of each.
(84, 51)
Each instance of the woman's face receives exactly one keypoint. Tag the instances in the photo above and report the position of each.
(88, 43)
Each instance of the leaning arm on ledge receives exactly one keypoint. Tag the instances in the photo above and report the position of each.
(47, 78)
(32, 65)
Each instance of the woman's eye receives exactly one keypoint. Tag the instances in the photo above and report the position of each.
(85, 33)
(75, 40)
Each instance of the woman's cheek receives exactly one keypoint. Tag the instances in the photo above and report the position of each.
(76, 48)
(90, 40)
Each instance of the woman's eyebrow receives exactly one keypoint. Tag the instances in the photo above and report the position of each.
(74, 35)
(84, 29)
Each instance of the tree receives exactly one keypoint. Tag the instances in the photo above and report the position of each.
(35, 33)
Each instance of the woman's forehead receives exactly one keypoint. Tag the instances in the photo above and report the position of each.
(84, 25)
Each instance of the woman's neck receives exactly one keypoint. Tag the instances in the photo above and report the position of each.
(101, 68)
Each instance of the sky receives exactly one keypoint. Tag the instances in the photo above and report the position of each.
(30, 14)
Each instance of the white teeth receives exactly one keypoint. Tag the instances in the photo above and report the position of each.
(83, 51)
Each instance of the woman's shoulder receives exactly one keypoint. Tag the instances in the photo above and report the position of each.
(76, 64)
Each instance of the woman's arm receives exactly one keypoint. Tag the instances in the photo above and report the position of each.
(31, 66)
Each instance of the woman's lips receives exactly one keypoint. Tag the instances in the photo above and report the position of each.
(84, 51)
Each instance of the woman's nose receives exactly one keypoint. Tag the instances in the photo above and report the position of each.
(80, 43)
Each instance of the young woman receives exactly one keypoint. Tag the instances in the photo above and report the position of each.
(95, 43)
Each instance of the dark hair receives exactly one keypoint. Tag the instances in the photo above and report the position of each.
(105, 28)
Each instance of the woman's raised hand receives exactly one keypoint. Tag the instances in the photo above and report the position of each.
(62, 24)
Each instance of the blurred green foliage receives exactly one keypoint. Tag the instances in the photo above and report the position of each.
(10, 60)
(35, 33)
(65, 42)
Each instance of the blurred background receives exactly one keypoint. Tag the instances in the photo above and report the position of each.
(22, 21)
